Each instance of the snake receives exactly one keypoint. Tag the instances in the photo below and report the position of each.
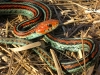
(36, 11)
(68, 66)
(36, 26)
(74, 45)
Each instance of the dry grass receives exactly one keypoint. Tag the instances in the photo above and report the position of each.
(79, 20)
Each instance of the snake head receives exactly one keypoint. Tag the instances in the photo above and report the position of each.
(47, 26)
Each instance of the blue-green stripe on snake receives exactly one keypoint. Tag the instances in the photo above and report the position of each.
(74, 45)
(71, 67)
(31, 10)
(43, 28)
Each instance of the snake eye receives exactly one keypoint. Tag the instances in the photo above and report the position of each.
(49, 25)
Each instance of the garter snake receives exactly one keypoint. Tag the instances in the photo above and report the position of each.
(27, 8)
(36, 11)
(74, 45)
(72, 66)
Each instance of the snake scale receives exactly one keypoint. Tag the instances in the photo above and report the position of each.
(40, 23)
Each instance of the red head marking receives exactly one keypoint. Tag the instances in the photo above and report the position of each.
(46, 26)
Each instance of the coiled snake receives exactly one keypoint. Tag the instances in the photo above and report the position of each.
(32, 28)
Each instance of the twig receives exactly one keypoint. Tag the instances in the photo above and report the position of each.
(90, 70)
(80, 54)
(86, 32)
(25, 65)
(72, 21)
(50, 71)
(57, 64)
(32, 45)
(79, 63)
(20, 18)
(84, 7)
(11, 62)
(3, 67)
(18, 66)
(7, 25)
(83, 53)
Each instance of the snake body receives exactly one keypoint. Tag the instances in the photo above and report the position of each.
(72, 66)
(74, 45)
(36, 11)
(31, 9)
